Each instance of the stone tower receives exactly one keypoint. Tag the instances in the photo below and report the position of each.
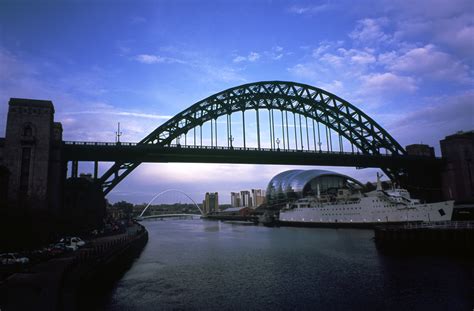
(31, 152)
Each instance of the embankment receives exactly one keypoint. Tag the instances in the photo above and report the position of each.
(64, 283)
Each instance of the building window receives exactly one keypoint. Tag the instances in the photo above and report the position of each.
(28, 131)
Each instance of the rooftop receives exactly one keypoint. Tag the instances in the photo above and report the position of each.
(26, 102)
(461, 134)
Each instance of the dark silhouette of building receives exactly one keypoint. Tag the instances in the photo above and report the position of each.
(422, 183)
(458, 173)
(420, 150)
(31, 154)
(33, 207)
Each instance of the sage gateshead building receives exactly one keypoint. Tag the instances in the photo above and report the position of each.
(291, 185)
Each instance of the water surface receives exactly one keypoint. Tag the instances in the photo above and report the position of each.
(210, 265)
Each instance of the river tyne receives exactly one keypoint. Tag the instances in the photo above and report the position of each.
(211, 265)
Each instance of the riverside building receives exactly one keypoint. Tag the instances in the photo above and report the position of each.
(211, 203)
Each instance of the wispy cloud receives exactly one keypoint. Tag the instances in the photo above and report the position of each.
(251, 57)
(308, 9)
(120, 113)
(442, 115)
(156, 59)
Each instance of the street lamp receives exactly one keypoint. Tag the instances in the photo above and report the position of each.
(231, 139)
(278, 143)
(118, 133)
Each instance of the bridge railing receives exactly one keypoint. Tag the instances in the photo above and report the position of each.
(131, 144)
(95, 143)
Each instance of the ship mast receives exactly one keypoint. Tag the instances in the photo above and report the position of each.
(379, 182)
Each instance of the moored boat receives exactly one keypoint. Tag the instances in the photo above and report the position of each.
(351, 207)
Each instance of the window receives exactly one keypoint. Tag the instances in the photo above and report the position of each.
(28, 131)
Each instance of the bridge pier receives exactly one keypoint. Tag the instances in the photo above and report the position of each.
(96, 170)
(74, 169)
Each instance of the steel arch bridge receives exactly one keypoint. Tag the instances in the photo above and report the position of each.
(318, 106)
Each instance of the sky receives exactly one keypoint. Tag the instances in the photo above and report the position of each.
(407, 64)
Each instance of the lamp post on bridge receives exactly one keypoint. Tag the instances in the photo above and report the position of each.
(278, 143)
(118, 134)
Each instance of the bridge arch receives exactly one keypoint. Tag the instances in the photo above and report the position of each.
(306, 101)
(166, 191)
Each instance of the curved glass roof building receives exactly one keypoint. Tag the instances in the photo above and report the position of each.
(295, 184)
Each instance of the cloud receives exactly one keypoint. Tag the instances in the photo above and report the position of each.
(335, 87)
(120, 113)
(276, 53)
(448, 24)
(239, 59)
(351, 56)
(252, 57)
(370, 30)
(156, 59)
(309, 9)
(429, 9)
(303, 71)
(427, 61)
(439, 116)
(387, 83)
(149, 59)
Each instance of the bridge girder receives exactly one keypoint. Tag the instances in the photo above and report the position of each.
(307, 101)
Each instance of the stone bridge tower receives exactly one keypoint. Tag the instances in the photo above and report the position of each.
(31, 153)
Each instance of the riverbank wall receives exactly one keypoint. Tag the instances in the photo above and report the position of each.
(64, 283)
(450, 238)
(231, 217)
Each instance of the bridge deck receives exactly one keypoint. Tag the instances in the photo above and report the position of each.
(132, 152)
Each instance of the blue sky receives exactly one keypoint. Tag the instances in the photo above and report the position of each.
(407, 64)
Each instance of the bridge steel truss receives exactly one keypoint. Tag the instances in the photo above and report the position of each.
(307, 101)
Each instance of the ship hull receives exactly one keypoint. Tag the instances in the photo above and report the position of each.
(338, 224)
(366, 214)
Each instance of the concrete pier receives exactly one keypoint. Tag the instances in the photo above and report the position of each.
(450, 238)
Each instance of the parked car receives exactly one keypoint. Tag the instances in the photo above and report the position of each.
(78, 241)
(56, 249)
(72, 243)
(13, 258)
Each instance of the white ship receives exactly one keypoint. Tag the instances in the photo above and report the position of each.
(353, 208)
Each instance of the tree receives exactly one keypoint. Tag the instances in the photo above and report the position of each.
(125, 207)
